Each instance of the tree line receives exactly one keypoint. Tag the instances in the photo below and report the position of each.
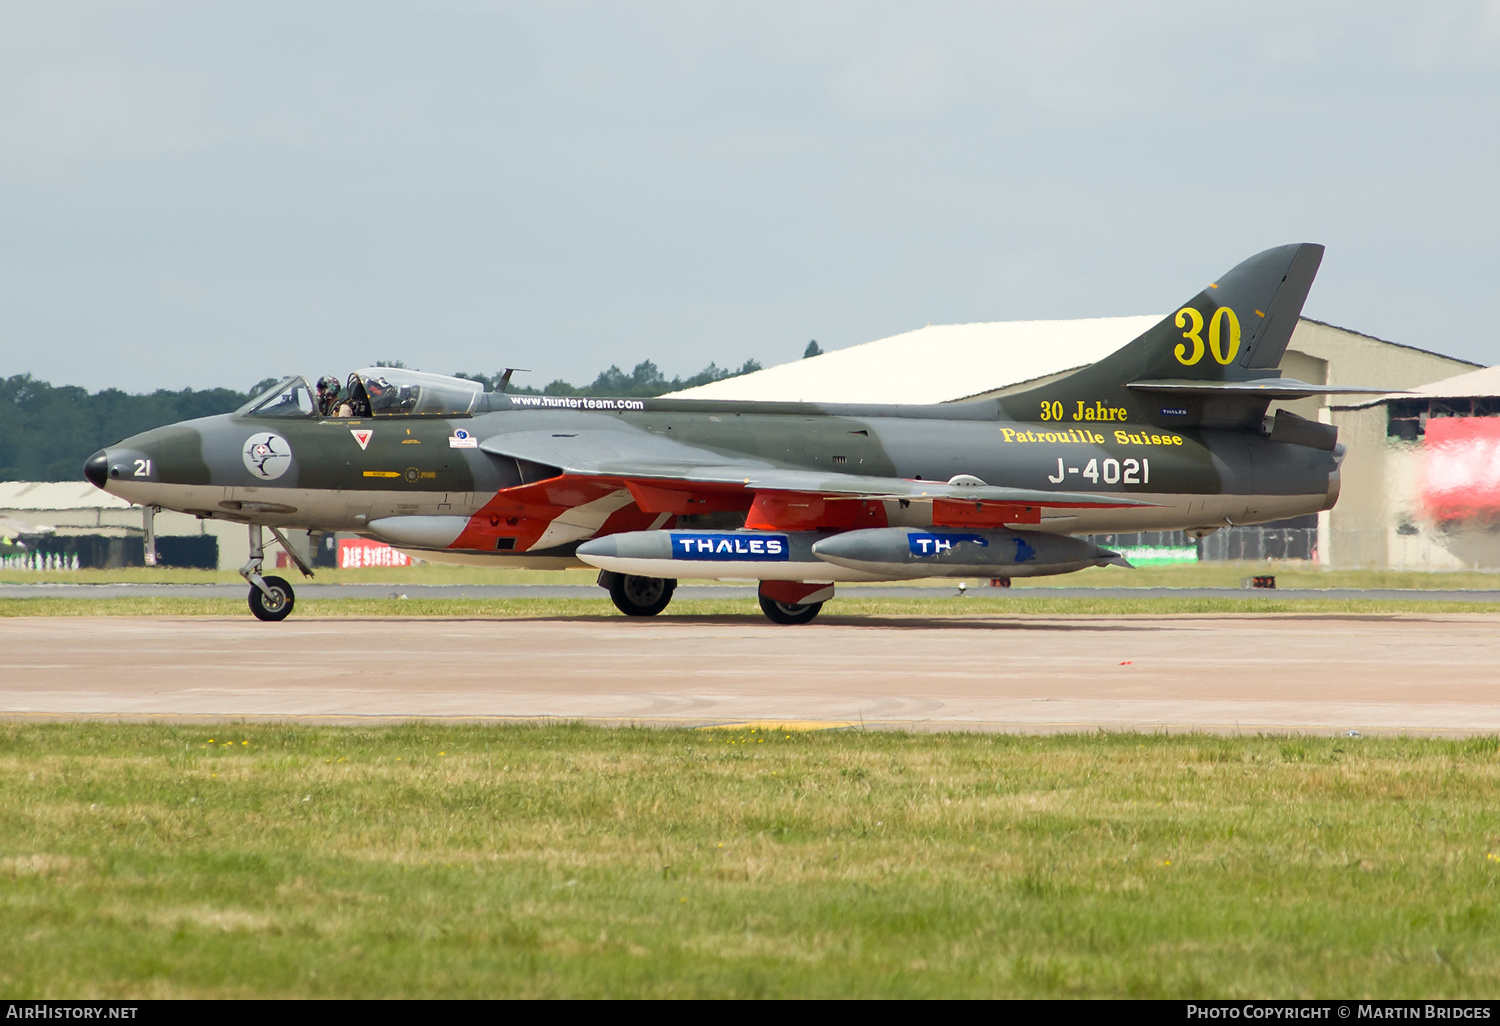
(644, 381)
(47, 431)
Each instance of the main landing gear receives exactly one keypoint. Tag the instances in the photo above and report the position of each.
(793, 602)
(271, 597)
(637, 596)
(783, 602)
(789, 612)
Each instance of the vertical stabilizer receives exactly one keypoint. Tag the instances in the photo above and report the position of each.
(1236, 329)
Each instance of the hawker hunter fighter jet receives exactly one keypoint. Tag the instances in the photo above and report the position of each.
(1168, 433)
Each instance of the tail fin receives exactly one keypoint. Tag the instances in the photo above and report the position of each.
(1235, 330)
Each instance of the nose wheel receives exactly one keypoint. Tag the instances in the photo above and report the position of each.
(274, 602)
(271, 598)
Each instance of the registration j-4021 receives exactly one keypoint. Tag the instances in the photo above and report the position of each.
(1110, 471)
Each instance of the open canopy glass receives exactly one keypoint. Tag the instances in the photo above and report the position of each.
(292, 397)
(396, 392)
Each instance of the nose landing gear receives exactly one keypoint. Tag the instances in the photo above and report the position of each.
(271, 598)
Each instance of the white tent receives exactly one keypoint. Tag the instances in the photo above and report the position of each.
(50, 495)
(935, 364)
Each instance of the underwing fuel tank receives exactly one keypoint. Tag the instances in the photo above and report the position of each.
(747, 555)
(877, 554)
(897, 552)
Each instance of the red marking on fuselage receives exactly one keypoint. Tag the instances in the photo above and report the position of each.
(957, 513)
(523, 512)
(688, 497)
(800, 511)
(632, 518)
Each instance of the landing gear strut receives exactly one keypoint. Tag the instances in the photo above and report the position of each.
(638, 596)
(271, 598)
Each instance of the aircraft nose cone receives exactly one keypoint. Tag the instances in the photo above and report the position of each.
(96, 469)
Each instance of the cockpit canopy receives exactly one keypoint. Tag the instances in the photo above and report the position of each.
(387, 392)
(290, 397)
(396, 392)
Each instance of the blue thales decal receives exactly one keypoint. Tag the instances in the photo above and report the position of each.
(937, 544)
(738, 548)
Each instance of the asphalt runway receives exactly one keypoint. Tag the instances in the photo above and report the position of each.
(979, 590)
(1400, 673)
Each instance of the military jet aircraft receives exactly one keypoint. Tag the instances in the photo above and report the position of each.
(1168, 433)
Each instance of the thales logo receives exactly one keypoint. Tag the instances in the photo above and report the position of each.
(738, 548)
(923, 544)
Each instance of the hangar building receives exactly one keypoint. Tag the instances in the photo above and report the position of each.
(74, 523)
(1422, 478)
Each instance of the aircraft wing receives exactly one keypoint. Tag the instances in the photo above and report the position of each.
(630, 453)
(644, 456)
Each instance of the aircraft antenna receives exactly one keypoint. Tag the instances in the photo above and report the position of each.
(505, 378)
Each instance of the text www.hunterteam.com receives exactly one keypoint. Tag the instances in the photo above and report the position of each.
(574, 402)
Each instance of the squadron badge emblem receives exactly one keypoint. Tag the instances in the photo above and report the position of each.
(267, 455)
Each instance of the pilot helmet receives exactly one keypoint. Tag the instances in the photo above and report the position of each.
(328, 385)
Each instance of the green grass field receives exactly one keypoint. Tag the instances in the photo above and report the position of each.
(168, 861)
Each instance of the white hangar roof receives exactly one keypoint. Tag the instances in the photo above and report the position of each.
(935, 364)
(1483, 382)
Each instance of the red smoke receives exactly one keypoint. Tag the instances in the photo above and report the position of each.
(1460, 474)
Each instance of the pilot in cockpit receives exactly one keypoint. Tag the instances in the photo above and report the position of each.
(328, 396)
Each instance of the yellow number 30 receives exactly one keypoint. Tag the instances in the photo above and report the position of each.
(1192, 321)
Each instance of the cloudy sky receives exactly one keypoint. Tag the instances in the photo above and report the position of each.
(202, 194)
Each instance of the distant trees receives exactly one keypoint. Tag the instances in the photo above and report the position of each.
(644, 381)
(47, 431)
(813, 349)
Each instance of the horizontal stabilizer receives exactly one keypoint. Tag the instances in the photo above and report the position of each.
(1261, 388)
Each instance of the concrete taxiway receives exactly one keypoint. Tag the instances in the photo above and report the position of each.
(692, 590)
(1412, 672)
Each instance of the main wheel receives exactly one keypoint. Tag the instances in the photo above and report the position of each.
(788, 612)
(641, 596)
(275, 606)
